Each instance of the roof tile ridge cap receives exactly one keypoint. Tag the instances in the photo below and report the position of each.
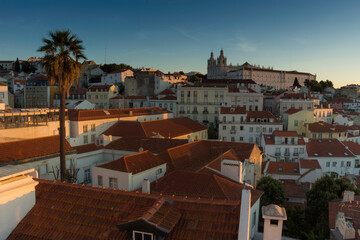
(143, 129)
(217, 180)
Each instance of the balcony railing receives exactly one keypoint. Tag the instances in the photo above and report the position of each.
(277, 154)
(296, 154)
(194, 112)
(205, 112)
(182, 112)
(232, 131)
(287, 154)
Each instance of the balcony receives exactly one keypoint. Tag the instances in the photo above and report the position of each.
(194, 112)
(287, 154)
(232, 131)
(277, 154)
(296, 154)
(182, 112)
(205, 112)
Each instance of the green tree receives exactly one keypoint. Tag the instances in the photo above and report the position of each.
(212, 133)
(27, 68)
(273, 191)
(108, 68)
(295, 222)
(62, 52)
(317, 209)
(17, 65)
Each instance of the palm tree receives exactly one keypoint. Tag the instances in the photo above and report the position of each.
(62, 50)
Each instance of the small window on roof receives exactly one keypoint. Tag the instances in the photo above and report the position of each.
(316, 154)
(280, 169)
(320, 140)
(330, 140)
(268, 137)
(346, 154)
(330, 154)
(295, 169)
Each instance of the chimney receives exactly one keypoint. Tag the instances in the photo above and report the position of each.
(17, 197)
(348, 196)
(273, 221)
(232, 169)
(345, 227)
(146, 186)
(244, 222)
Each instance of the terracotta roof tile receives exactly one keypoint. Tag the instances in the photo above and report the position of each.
(87, 148)
(325, 127)
(326, 148)
(167, 128)
(350, 210)
(67, 211)
(203, 185)
(93, 88)
(233, 110)
(294, 189)
(30, 148)
(353, 147)
(283, 168)
(278, 133)
(166, 92)
(134, 163)
(292, 110)
(260, 115)
(154, 145)
(310, 163)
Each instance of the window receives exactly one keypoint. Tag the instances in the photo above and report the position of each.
(254, 218)
(314, 135)
(93, 138)
(159, 171)
(100, 180)
(232, 139)
(113, 183)
(251, 129)
(342, 163)
(274, 222)
(241, 139)
(334, 164)
(296, 123)
(327, 164)
(93, 127)
(348, 164)
(330, 135)
(87, 175)
(301, 150)
(86, 140)
(142, 236)
(251, 139)
(85, 128)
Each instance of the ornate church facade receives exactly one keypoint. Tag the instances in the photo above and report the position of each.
(280, 79)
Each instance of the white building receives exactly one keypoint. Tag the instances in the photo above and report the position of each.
(286, 146)
(280, 79)
(333, 156)
(4, 97)
(238, 125)
(116, 77)
(129, 172)
(295, 100)
(87, 125)
(324, 114)
(245, 97)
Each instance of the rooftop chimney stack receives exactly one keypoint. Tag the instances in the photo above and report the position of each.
(273, 221)
(348, 196)
(146, 186)
(244, 223)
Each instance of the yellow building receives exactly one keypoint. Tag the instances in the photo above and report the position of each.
(325, 130)
(100, 95)
(294, 119)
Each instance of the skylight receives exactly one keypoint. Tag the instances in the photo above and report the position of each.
(346, 154)
(280, 169)
(330, 154)
(316, 154)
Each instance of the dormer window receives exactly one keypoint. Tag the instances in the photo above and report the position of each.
(346, 154)
(295, 170)
(330, 154)
(280, 169)
(316, 154)
(137, 235)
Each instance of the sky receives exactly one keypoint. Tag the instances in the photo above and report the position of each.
(320, 37)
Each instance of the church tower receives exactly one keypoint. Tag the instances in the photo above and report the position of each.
(221, 64)
(211, 65)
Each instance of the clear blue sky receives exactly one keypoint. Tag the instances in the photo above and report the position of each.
(321, 37)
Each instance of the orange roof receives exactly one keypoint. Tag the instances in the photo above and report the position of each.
(233, 110)
(309, 163)
(353, 147)
(294, 189)
(278, 133)
(93, 88)
(166, 92)
(30, 148)
(293, 110)
(325, 127)
(134, 163)
(167, 128)
(327, 148)
(154, 145)
(72, 211)
(260, 115)
(350, 210)
(84, 115)
(283, 168)
(87, 148)
(203, 185)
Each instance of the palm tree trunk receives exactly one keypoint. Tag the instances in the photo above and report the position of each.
(62, 136)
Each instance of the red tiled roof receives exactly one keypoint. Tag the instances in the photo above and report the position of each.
(154, 145)
(21, 82)
(93, 88)
(167, 128)
(353, 147)
(293, 189)
(203, 185)
(134, 163)
(270, 139)
(278, 133)
(166, 92)
(233, 110)
(283, 168)
(350, 210)
(87, 148)
(260, 115)
(293, 110)
(135, 97)
(326, 148)
(83, 115)
(325, 127)
(75, 212)
(39, 78)
(30, 148)
(309, 163)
